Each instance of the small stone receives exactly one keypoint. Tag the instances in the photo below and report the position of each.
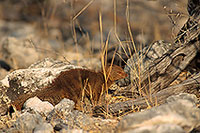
(64, 107)
(37, 105)
(43, 128)
(27, 122)
(62, 110)
(60, 126)
(71, 131)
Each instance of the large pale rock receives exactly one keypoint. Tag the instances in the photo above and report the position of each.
(26, 81)
(179, 110)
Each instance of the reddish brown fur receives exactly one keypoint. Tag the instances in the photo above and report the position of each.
(69, 84)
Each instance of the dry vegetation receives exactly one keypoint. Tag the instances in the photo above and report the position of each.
(89, 28)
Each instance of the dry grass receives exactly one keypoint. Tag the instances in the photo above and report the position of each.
(47, 16)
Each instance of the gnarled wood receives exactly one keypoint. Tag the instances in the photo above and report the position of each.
(190, 85)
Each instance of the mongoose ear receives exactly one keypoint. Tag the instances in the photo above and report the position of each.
(115, 72)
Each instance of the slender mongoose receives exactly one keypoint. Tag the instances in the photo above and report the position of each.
(76, 83)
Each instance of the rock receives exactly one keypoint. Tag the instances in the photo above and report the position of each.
(60, 126)
(62, 110)
(180, 110)
(16, 29)
(20, 53)
(79, 120)
(162, 128)
(48, 63)
(27, 122)
(39, 106)
(64, 107)
(63, 117)
(26, 81)
(43, 128)
(71, 131)
(182, 97)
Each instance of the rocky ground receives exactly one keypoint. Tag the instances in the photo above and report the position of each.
(39, 39)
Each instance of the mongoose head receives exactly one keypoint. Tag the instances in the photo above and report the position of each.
(114, 72)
